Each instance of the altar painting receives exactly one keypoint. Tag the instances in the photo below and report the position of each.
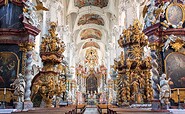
(175, 69)
(9, 67)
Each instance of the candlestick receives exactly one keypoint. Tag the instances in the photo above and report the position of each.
(178, 91)
(4, 90)
(178, 101)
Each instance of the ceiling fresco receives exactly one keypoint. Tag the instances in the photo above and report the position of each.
(98, 3)
(91, 33)
(91, 44)
(91, 19)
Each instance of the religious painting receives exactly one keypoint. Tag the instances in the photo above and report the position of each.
(175, 13)
(175, 69)
(91, 44)
(10, 16)
(98, 3)
(91, 84)
(9, 67)
(91, 33)
(91, 19)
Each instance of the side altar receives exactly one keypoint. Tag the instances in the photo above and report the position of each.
(164, 26)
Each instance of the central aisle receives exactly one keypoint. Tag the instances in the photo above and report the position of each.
(91, 111)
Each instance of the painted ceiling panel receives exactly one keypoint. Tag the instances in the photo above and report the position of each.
(91, 44)
(91, 33)
(91, 19)
(98, 3)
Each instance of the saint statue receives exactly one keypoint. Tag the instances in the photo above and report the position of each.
(19, 85)
(164, 89)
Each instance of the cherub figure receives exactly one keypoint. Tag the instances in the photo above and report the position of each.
(168, 41)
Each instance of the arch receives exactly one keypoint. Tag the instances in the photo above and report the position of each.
(91, 19)
(91, 33)
(91, 44)
(98, 3)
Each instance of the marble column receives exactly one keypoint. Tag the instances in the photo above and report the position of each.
(155, 73)
(28, 75)
(26, 49)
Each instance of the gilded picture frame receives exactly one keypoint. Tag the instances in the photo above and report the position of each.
(175, 13)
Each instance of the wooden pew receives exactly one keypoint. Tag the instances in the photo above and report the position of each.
(134, 110)
(64, 110)
(81, 108)
(102, 108)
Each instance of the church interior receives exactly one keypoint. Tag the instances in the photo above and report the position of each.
(92, 56)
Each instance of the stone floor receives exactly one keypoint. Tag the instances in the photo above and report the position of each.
(91, 111)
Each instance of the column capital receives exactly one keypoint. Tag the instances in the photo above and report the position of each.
(26, 46)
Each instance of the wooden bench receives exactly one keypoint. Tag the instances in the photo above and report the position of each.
(64, 110)
(134, 110)
(81, 108)
(102, 108)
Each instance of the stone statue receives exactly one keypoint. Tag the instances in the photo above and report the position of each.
(19, 85)
(164, 90)
(150, 17)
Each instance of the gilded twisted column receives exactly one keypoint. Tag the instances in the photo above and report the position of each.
(155, 73)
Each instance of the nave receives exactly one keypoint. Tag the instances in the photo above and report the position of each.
(64, 56)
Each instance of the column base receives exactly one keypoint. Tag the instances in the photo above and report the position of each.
(19, 105)
(156, 105)
(28, 105)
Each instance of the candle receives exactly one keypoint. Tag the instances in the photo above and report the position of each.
(4, 90)
(178, 91)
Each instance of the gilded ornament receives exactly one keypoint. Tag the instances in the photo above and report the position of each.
(134, 76)
(178, 44)
(49, 82)
(40, 6)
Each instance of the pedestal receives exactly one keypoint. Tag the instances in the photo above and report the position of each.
(28, 105)
(156, 105)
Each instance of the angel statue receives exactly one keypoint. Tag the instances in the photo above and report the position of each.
(168, 41)
(164, 89)
(19, 85)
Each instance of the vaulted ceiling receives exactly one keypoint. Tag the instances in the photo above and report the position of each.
(91, 26)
